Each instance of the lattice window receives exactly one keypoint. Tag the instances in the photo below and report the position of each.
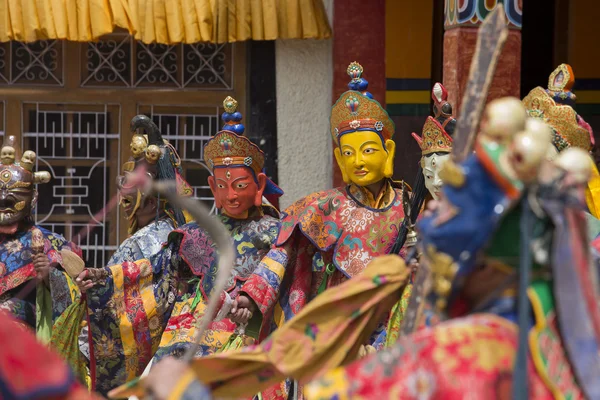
(79, 145)
(80, 131)
(117, 60)
(188, 129)
(208, 65)
(37, 63)
(157, 65)
(107, 62)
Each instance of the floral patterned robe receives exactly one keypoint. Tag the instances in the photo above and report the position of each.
(150, 306)
(325, 239)
(332, 236)
(144, 243)
(16, 270)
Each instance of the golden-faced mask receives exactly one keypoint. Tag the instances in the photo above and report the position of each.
(362, 130)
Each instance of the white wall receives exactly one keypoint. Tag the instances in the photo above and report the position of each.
(304, 76)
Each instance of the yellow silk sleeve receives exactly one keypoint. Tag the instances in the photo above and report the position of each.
(592, 192)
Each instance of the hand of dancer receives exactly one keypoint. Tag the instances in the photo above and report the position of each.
(42, 267)
(84, 281)
(243, 309)
(366, 350)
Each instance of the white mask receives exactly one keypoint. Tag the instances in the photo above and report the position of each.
(432, 166)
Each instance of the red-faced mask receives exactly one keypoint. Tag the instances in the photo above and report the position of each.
(236, 191)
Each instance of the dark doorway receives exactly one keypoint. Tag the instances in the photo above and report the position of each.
(538, 44)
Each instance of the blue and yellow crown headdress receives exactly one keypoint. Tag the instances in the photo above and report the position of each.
(356, 110)
(229, 148)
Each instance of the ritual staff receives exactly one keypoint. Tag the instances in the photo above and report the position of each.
(523, 326)
(330, 236)
(29, 252)
(150, 306)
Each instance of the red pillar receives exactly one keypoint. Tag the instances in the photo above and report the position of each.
(358, 35)
(460, 38)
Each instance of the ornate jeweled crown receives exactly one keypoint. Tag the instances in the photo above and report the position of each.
(433, 138)
(554, 107)
(356, 110)
(228, 147)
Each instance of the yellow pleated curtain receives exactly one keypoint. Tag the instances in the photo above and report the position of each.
(163, 21)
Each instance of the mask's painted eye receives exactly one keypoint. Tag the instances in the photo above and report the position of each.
(221, 186)
(370, 151)
(347, 153)
(428, 177)
(241, 185)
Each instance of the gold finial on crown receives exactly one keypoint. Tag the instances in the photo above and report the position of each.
(230, 104)
(354, 70)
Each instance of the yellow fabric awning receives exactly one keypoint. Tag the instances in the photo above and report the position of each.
(164, 21)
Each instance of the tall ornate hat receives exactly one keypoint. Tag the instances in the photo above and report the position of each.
(356, 110)
(229, 148)
(434, 138)
(555, 107)
(436, 135)
(160, 160)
